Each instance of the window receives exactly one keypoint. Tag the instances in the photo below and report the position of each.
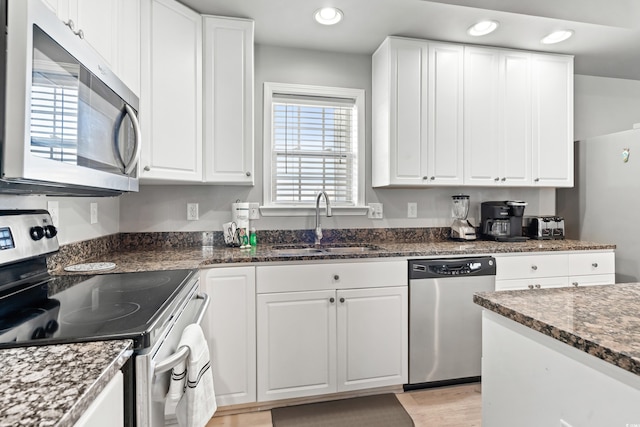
(313, 142)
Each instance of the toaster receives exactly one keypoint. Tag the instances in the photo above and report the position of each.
(544, 227)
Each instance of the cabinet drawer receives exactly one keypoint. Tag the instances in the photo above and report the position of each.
(533, 283)
(592, 263)
(531, 266)
(307, 277)
(593, 279)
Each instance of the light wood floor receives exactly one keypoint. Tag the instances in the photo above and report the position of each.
(455, 406)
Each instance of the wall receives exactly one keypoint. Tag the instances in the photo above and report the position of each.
(163, 208)
(604, 105)
(74, 215)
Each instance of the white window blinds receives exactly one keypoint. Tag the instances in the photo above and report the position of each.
(54, 117)
(314, 147)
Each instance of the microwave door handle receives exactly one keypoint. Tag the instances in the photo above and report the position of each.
(138, 146)
(183, 352)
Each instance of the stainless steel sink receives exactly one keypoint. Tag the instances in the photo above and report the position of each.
(318, 250)
(297, 251)
(349, 249)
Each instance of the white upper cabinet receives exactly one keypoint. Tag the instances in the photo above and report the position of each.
(417, 113)
(449, 114)
(497, 117)
(228, 100)
(171, 101)
(111, 28)
(197, 106)
(552, 120)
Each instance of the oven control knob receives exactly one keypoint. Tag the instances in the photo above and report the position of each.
(36, 232)
(51, 327)
(50, 231)
(38, 333)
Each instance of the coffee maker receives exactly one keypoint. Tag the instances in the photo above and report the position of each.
(502, 221)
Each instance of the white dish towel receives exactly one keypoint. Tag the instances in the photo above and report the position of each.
(192, 382)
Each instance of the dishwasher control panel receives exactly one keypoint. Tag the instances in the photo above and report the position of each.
(429, 268)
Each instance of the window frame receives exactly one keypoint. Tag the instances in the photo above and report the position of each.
(269, 208)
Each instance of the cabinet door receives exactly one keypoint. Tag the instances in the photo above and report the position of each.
(444, 119)
(98, 20)
(515, 118)
(372, 337)
(230, 328)
(296, 344)
(228, 100)
(408, 110)
(552, 120)
(107, 410)
(128, 34)
(481, 116)
(171, 101)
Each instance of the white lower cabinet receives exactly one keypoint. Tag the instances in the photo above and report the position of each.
(107, 410)
(552, 270)
(351, 337)
(230, 328)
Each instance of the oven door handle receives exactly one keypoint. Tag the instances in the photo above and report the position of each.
(183, 352)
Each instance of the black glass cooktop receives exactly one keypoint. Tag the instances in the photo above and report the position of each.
(109, 306)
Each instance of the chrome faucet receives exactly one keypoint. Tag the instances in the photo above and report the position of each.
(318, 227)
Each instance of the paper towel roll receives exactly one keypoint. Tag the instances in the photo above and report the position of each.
(240, 215)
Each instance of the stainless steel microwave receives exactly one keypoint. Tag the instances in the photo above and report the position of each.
(68, 125)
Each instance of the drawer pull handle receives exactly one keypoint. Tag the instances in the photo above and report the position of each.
(537, 286)
(341, 299)
(332, 300)
(336, 277)
(534, 267)
(575, 283)
(594, 265)
(530, 286)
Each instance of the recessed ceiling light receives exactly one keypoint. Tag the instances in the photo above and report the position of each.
(328, 15)
(557, 36)
(482, 28)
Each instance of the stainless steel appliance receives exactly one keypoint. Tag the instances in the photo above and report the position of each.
(502, 221)
(151, 308)
(445, 329)
(68, 125)
(603, 206)
(544, 227)
(461, 229)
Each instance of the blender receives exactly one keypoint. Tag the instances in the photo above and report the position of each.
(461, 229)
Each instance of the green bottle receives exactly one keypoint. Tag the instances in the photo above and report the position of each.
(253, 239)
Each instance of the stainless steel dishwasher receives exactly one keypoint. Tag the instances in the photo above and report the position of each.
(445, 326)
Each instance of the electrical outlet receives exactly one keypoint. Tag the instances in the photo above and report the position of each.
(94, 213)
(375, 210)
(254, 210)
(563, 423)
(412, 210)
(54, 211)
(192, 212)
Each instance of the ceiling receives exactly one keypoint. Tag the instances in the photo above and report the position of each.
(606, 40)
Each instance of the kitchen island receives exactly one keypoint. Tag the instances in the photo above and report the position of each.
(561, 357)
(55, 385)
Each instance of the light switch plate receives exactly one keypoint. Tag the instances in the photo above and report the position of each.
(192, 212)
(254, 210)
(375, 211)
(412, 210)
(93, 208)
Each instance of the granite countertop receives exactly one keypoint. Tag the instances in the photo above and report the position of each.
(603, 321)
(54, 385)
(199, 257)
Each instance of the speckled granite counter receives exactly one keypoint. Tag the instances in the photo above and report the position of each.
(199, 257)
(54, 385)
(603, 321)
